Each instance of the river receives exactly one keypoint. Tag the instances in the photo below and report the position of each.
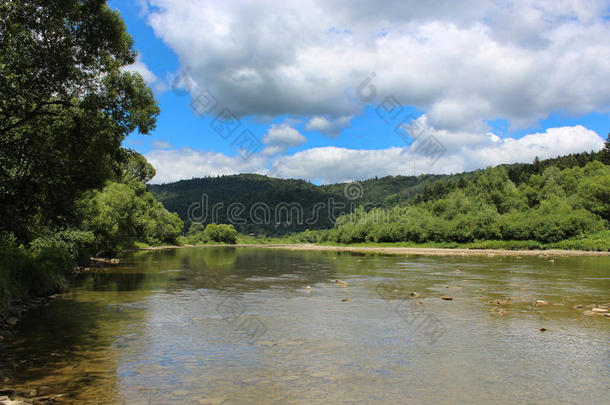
(238, 325)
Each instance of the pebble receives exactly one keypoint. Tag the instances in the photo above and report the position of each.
(600, 310)
(541, 302)
(344, 300)
(447, 298)
(414, 294)
(542, 329)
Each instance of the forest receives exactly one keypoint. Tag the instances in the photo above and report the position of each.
(546, 206)
(529, 204)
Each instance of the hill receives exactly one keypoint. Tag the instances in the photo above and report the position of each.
(263, 205)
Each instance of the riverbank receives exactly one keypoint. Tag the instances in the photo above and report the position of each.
(400, 250)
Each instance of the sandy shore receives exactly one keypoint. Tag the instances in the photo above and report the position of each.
(406, 251)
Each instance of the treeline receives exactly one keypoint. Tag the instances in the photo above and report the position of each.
(545, 205)
(67, 188)
(208, 200)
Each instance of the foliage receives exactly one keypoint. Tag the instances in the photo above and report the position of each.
(219, 233)
(65, 107)
(121, 214)
(26, 272)
(553, 206)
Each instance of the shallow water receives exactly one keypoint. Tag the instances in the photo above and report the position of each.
(238, 326)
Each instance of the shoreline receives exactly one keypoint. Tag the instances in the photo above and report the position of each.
(396, 250)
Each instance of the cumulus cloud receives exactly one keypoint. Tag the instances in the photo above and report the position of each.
(178, 164)
(517, 60)
(330, 127)
(280, 137)
(333, 164)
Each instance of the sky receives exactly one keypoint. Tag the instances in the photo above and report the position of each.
(345, 90)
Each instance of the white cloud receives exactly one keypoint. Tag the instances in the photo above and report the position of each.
(517, 60)
(330, 127)
(280, 137)
(177, 164)
(331, 164)
(463, 152)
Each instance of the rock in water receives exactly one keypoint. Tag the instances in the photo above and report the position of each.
(447, 298)
(540, 302)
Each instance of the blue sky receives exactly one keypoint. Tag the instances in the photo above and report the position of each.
(481, 90)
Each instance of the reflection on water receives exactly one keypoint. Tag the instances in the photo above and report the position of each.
(239, 325)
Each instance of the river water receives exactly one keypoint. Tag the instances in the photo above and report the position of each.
(226, 325)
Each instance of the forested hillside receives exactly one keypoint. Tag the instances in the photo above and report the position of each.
(550, 207)
(210, 198)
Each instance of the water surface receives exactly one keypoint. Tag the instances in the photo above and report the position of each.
(239, 326)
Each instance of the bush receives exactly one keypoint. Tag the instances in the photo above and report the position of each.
(79, 245)
(220, 233)
(25, 273)
(307, 236)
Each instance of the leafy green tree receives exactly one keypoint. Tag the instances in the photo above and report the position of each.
(221, 233)
(120, 215)
(65, 107)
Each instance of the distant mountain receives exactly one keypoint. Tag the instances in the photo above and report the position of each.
(264, 205)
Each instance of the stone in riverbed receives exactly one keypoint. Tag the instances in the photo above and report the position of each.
(447, 298)
(12, 321)
(414, 294)
(600, 310)
(589, 313)
(540, 302)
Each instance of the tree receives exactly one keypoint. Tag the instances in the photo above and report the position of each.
(605, 152)
(65, 107)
